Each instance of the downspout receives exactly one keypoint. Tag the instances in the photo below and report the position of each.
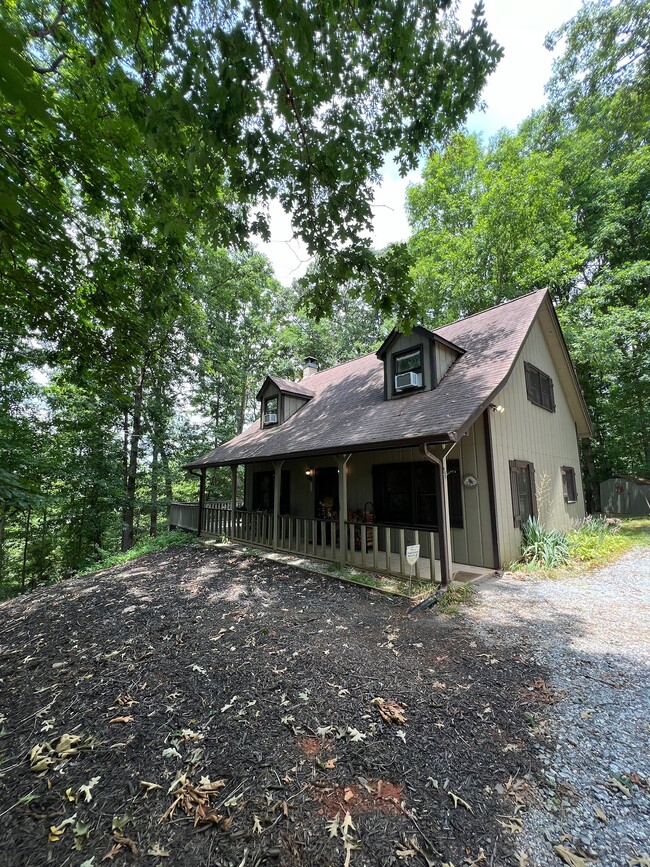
(444, 529)
(489, 454)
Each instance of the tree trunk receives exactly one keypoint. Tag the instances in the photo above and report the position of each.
(153, 528)
(164, 460)
(128, 539)
(41, 570)
(125, 449)
(216, 415)
(242, 408)
(3, 522)
(24, 569)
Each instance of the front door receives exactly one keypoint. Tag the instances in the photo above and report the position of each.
(326, 490)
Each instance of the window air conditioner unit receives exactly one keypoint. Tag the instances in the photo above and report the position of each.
(271, 418)
(408, 380)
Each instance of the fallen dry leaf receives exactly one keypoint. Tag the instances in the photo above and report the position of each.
(511, 823)
(614, 783)
(121, 719)
(391, 711)
(570, 857)
(195, 799)
(52, 753)
(85, 789)
(157, 851)
(333, 826)
(126, 842)
(115, 849)
(458, 800)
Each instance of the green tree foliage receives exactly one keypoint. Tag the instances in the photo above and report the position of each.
(561, 203)
(202, 111)
(599, 117)
(489, 224)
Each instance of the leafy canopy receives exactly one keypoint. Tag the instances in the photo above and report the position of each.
(200, 112)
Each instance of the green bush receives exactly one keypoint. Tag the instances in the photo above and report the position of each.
(590, 538)
(148, 545)
(542, 547)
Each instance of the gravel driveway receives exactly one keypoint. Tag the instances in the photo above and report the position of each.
(593, 633)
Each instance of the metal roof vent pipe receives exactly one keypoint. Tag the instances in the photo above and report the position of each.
(310, 367)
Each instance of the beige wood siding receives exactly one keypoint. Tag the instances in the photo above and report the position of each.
(291, 404)
(528, 432)
(445, 357)
(471, 545)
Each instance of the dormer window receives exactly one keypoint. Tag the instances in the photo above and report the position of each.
(411, 367)
(271, 411)
(407, 366)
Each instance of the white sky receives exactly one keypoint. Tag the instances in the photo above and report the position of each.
(512, 92)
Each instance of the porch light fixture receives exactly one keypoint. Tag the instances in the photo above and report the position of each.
(497, 408)
(310, 473)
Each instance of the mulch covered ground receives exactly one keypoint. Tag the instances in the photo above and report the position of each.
(203, 707)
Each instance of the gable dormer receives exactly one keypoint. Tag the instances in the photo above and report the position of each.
(280, 399)
(415, 362)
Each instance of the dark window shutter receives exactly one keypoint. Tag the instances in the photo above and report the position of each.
(533, 493)
(514, 492)
(550, 382)
(569, 488)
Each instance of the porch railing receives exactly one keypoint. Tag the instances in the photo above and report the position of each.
(184, 515)
(375, 547)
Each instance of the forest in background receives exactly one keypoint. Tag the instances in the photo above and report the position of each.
(137, 321)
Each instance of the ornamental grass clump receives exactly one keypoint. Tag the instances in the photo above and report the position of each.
(542, 547)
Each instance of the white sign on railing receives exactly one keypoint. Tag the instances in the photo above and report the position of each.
(412, 554)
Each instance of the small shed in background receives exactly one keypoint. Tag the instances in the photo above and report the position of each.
(625, 495)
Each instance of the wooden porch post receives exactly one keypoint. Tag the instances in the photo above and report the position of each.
(444, 526)
(233, 499)
(277, 490)
(201, 500)
(341, 463)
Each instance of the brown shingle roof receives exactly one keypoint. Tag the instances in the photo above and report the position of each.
(348, 411)
(287, 387)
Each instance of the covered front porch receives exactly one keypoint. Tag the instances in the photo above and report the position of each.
(349, 509)
(372, 547)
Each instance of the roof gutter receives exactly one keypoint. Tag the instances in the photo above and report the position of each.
(416, 442)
